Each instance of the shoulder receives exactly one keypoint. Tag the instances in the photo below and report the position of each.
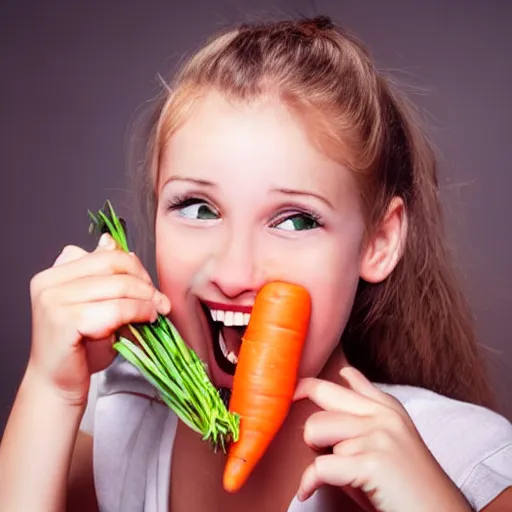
(472, 444)
(439, 418)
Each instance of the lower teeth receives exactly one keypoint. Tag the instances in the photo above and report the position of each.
(230, 356)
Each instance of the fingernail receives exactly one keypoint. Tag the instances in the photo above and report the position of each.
(301, 496)
(162, 302)
(344, 369)
(105, 241)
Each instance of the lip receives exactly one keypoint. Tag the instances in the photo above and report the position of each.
(228, 307)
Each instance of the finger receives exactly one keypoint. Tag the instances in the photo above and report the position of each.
(126, 286)
(357, 381)
(325, 429)
(98, 320)
(99, 353)
(99, 263)
(68, 254)
(106, 243)
(351, 447)
(348, 473)
(73, 252)
(333, 397)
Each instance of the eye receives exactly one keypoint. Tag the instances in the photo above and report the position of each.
(193, 208)
(298, 222)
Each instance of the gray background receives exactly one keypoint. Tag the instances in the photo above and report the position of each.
(74, 74)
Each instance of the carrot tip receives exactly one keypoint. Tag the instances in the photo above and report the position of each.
(274, 340)
(235, 474)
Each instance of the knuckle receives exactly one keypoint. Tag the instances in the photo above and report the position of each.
(147, 291)
(69, 253)
(120, 285)
(395, 421)
(369, 463)
(138, 266)
(46, 298)
(381, 439)
(129, 286)
(118, 262)
(340, 449)
(46, 307)
(70, 249)
(117, 312)
(394, 404)
(318, 466)
(35, 284)
(112, 261)
(311, 426)
(78, 316)
(309, 429)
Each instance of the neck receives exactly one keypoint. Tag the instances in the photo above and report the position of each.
(334, 364)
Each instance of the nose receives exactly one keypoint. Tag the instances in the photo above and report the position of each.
(234, 269)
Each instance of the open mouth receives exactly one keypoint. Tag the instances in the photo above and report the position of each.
(227, 329)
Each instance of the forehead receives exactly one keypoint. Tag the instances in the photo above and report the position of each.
(258, 143)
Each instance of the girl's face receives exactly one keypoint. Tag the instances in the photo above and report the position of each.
(245, 198)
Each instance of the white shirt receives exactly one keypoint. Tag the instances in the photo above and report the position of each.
(134, 436)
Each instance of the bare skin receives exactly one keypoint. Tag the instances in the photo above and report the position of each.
(233, 232)
(77, 304)
(82, 495)
(196, 483)
(59, 473)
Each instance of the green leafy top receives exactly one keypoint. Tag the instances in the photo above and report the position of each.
(160, 354)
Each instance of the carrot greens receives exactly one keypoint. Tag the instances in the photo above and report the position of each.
(162, 357)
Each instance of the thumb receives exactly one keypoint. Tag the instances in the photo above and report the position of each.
(106, 242)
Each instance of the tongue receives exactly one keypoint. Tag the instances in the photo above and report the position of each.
(232, 338)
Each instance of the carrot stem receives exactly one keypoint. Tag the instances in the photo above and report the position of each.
(162, 357)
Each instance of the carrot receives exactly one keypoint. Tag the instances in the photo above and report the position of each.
(266, 374)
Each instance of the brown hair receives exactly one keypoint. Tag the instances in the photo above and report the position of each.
(415, 328)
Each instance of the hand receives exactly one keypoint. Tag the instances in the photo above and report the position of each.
(77, 305)
(374, 448)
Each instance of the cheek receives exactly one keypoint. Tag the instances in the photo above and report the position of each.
(174, 268)
(179, 261)
(180, 255)
(332, 278)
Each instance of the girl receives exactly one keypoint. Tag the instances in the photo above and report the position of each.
(279, 153)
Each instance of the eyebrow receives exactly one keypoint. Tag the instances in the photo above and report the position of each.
(286, 191)
(292, 192)
(197, 181)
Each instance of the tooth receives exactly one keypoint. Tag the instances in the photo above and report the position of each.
(213, 312)
(238, 319)
(220, 316)
(222, 345)
(228, 318)
(232, 358)
(247, 317)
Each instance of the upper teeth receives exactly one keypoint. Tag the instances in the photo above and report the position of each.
(230, 317)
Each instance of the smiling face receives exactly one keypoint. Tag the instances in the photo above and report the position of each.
(243, 198)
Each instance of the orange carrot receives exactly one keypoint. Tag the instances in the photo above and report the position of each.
(266, 374)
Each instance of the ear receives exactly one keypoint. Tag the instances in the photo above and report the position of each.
(385, 248)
